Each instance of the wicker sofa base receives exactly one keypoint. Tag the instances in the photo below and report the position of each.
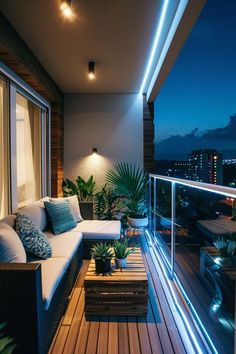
(21, 305)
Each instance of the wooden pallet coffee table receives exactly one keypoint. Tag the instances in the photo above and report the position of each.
(123, 292)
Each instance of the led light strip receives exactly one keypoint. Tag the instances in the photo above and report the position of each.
(154, 47)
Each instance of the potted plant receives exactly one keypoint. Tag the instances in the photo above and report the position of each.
(121, 252)
(84, 190)
(102, 253)
(222, 246)
(105, 202)
(130, 183)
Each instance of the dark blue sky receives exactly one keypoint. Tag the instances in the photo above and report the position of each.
(201, 88)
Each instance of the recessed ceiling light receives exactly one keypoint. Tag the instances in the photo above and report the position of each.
(91, 70)
(66, 9)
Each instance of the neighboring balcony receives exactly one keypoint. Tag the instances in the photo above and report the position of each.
(193, 227)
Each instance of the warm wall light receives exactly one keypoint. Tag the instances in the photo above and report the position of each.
(94, 150)
(91, 70)
(66, 9)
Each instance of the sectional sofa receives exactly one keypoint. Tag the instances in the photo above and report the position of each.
(34, 294)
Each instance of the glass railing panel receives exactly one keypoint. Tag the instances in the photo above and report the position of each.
(162, 215)
(203, 225)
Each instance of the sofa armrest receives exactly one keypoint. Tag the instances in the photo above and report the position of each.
(21, 302)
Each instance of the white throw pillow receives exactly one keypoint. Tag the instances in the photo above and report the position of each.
(11, 248)
(74, 206)
(35, 211)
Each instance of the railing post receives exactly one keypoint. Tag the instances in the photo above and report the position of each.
(173, 219)
(150, 202)
(154, 206)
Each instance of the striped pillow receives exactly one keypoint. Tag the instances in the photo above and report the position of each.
(60, 216)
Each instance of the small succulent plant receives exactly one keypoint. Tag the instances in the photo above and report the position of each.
(231, 247)
(121, 249)
(102, 251)
(220, 243)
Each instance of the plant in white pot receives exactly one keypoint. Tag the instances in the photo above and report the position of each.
(102, 253)
(121, 252)
(130, 183)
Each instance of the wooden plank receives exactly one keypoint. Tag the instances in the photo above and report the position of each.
(75, 325)
(152, 331)
(82, 339)
(123, 336)
(103, 335)
(113, 342)
(60, 340)
(143, 336)
(93, 336)
(134, 346)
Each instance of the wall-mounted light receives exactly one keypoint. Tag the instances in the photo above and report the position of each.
(94, 150)
(91, 70)
(66, 9)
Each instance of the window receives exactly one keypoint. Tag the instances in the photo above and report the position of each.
(28, 150)
(3, 148)
(24, 148)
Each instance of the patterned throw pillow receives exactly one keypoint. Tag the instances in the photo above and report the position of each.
(60, 216)
(33, 240)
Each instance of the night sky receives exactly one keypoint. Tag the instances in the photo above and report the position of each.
(200, 91)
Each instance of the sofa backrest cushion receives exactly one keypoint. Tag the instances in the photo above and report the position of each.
(74, 206)
(9, 220)
(32, 238)
(36, 213)
(60, 215)
(11, 248)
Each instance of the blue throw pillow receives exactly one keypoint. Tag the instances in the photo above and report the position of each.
(32, 238)
(60, 216)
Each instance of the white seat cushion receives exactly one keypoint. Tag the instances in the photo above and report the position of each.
(99, 229)
(53, 270)
(65, 244)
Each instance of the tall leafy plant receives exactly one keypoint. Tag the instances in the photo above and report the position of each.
(130, 183)
(84, 189)
(105, 202)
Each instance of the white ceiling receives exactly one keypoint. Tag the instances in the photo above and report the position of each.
(116, 34)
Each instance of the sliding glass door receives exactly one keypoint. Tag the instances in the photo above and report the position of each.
(4, 123)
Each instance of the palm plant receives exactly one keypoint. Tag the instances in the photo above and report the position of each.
(130, 183)
(84, 189)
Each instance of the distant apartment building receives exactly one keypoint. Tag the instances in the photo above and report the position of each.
(205, 166)
(229, 172)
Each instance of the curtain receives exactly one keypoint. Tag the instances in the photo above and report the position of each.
(3, 152)
(26, 191)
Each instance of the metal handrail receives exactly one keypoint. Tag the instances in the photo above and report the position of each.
(226, 191)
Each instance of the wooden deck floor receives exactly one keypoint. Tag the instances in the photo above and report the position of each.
(156, 333)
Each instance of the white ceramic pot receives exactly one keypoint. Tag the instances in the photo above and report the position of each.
(136, 223)
(120, 263)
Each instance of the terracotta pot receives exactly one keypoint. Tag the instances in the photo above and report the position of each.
(136, 223)
(102, 267)
(120, 262)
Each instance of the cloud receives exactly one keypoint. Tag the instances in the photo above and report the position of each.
(179, 146)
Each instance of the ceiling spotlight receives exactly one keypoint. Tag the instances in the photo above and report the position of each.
(66, 9)
(91, 70)
(94, 150)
